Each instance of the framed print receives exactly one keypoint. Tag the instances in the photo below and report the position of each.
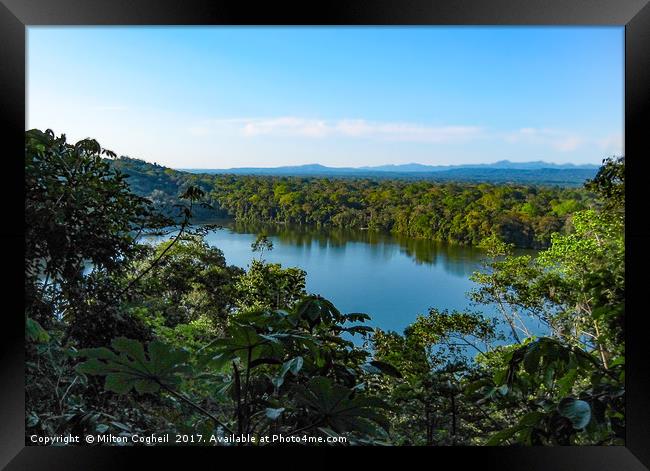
(348, 228)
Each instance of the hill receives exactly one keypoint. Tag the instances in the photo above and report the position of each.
(537, 172)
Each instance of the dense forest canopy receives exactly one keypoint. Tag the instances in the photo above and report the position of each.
(124, 338)
(464, 213)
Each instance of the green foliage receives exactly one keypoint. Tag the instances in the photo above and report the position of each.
(552, 372)
(377, 367)
(262, 243)
(456, 331)
(192, 282)
(464, 213)
(274, 369)
(129, 368)
(566, 388)
(338, 408)
(77, 207)
(609, 184)
(186, 343)
(269, 286)
(427, 404)
(162, 187)
(34, 331)
(79, 211)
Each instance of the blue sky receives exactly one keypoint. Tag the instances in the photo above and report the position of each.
(218, 97)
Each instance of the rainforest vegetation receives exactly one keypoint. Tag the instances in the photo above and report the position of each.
(125, 338)
(461, 213)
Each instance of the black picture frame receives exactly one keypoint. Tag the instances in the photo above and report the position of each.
(15, 15)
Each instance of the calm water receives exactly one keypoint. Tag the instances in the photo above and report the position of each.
(393, 279)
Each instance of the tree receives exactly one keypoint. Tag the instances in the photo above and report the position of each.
(192, 282)
(567, 386)
(428, 406)
(79, 215)
(262, 243)
(269, 286)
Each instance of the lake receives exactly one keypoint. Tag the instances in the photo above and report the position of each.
(391, 278)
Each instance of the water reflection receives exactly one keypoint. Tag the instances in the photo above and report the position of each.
(391, 278)
(456, 260)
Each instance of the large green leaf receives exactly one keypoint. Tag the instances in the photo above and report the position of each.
(338, 408)
(531, 419)
(294, 365)
(316, 310)
(503, 435)
(547, 360)
(35, 332)
(128, 367)
(358, 329)
(356, 317)
(131, 347)
(243, 342)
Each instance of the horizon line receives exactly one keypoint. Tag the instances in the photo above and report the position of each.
(365, 167)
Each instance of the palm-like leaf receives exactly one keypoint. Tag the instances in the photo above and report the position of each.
(128, 367)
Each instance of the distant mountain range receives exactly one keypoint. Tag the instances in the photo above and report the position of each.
(501, 164)
(503, 171)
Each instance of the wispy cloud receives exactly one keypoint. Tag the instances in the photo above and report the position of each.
(544, 138)
(613, 143)
(290, 126)
(559, 140)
